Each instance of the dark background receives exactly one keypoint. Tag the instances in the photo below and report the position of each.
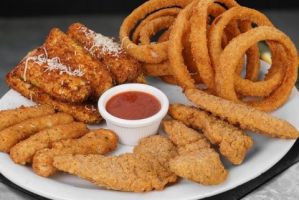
(24, 24)
(53, 7)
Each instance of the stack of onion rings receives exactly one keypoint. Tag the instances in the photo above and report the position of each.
(207, 41)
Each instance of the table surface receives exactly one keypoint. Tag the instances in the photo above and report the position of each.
(20, 35)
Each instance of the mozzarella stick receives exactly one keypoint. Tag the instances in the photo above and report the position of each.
(24, 151)
(96, 142)
(14, 134)
(15, 116)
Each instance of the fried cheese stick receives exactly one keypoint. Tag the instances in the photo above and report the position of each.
(144, 170)
(243, 115)
(121, 65)
(15, 116)
(233, 143)
(96, 142)
(81, 112)
(14, 134)
(197, 160)
(24, 151)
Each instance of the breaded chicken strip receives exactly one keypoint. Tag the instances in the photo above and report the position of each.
(24, 151)
(186, 139)
(54, 78)
(122, 66)
(76, 57)
(15, 116)
(140, 171)
(81, 112)
(204, 167)
(233, 143)
(197, 160)
(14, 134)
(243, 115)
(99, 141)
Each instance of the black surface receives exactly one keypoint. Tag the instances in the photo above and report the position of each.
(287, 161)
(10, 8)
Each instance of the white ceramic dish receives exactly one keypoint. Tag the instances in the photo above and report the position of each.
(131, 131)
(265, 153)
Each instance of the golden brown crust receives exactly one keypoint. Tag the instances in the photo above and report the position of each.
(144, 170)
(233, 143)
(14, 134)
(76, 57)
(100, 141)
(82, 112)
(24, 151)
(15, 116)
(122, 66)
(243, 115)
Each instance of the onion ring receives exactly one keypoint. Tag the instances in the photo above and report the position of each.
(243, 86)
(227, 64)
(153, 53)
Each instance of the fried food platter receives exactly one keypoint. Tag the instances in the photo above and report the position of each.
(263, 155)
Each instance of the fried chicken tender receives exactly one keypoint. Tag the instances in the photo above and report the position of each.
(76, 57)
(245, 116)
(14, 134)
(197, 160)
(15, 116)
(81, 112)
(99, 141)
(186, 139)
(203, 167)
(67, 86)
(140, 171)
(121, 65)
(233, 143)
(24, 151)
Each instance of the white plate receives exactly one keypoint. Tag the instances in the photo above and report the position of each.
(265, 153)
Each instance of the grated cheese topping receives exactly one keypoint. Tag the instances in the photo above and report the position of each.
(105, 43)
(51, 65)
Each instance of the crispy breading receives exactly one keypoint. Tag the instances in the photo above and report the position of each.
(204, 167)
(82, 112)
(36, 68)
(24, 151)
(233, 143)
(121, 65)
(245, 116)
(186, 139)
(76, 57)
(99, 141)
(141, 171)
(15, 116)
(197, 160)
(14, 134)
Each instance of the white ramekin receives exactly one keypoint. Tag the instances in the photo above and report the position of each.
(131, 131)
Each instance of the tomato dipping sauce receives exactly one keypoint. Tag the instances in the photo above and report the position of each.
(133, 105)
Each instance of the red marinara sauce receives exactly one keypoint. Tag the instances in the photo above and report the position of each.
(133, 105)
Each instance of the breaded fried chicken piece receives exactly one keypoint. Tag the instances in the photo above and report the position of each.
(15, 116)
(186, 139)
(81, 112)
(233, 143)
(144, 170)
(197, 160)
(76, 57)
(245, 116)
(99, 141)
(122, 66)
(203, 167)
(24, 151)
